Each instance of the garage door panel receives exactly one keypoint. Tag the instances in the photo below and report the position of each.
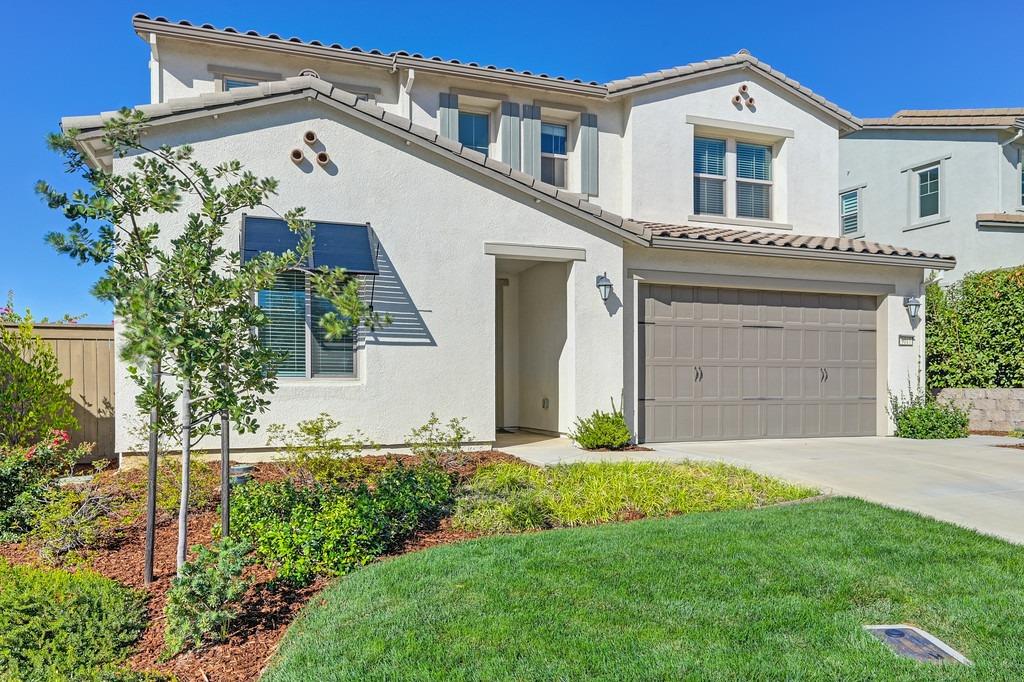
(762, 357)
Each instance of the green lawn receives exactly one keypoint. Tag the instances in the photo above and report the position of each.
(771, 594)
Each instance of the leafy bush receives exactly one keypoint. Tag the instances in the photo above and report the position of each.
(35, 398)
(203, 599)
(326, 529)
(508, 497)
(72, 518)
(436, 442)
(974, 331)
(920, 416)
(27, 473)
(312, 454)
(602, 430)
(204, 484)
(56, 625)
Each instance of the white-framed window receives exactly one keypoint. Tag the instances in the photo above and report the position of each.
(475, 131)
(293, 328)
(753, 181)
(849, 212)
(928, 199)
(709, 176)
(554, 154)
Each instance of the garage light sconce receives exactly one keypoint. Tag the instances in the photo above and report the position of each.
(604, 285)
(913, 306)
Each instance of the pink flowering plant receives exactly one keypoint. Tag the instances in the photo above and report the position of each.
(27, 473)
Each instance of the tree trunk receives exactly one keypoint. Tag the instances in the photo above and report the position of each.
(154, 443)
(225, 481)
(186, 447)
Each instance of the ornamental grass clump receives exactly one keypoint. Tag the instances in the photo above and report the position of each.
(602, 431)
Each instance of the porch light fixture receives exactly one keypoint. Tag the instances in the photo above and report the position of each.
(604, 285)
(913, 306)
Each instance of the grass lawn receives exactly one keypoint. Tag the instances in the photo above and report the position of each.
(771, 594)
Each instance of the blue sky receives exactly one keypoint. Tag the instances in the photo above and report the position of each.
(67, 58)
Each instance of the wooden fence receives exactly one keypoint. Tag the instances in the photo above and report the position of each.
(85, 354)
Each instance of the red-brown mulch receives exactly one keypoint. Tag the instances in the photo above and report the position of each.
(267, 607)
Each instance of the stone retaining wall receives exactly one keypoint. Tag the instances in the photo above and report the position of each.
(991, 409)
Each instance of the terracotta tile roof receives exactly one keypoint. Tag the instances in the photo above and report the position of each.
(90, 138)
(144, 24)
(783, 239)
(945, 118)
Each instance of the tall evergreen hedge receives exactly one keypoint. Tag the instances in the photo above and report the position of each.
(975, 331)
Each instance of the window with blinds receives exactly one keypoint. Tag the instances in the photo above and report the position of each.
(708, 176)
(293, 329)
(753, 181)
(553, 153)
(849, 212)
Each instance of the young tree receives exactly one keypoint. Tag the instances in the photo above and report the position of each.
(185, 303)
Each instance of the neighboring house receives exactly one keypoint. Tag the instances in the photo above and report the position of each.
(945, 180)
(486, 207)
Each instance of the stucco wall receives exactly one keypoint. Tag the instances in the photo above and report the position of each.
(432, 218)
(659, 163)
(990, 409)
(979, 176)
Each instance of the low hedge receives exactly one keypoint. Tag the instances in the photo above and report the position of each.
(56, 625)
(328, 529)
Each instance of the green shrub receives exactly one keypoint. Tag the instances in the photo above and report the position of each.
(921, 416)
(436, 442)
(35, 398)
(56, 625)
(27, 473)
(313, 454)
(203, 599)
(508, 497)
(602, 431)
(204, 485)
(324, 529)
(974, 329)
(72, 518)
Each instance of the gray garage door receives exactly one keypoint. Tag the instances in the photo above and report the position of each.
(722, 363)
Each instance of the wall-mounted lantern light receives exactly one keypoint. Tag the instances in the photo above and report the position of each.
(913, 306)
(604, 286)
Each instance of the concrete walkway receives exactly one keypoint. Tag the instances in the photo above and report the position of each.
(966, 481)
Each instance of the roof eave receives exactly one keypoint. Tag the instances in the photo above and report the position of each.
(861, 258)
(143, 27)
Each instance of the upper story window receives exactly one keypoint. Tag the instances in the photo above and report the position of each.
(293, 329)
(235, 83)
(928, 192)
(708, 176)
(474, 131)
(553, 153)
(753, 181)
(849, 212)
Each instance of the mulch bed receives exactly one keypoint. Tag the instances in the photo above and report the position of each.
(267, 607)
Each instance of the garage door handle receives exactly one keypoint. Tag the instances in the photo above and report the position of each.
(826, 373)
(821, 374)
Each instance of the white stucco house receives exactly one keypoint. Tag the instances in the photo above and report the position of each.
(495, 201)
(949, 180)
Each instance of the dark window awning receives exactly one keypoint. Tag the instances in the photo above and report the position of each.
(335, 245)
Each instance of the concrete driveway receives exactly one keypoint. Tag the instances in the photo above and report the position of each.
(966, 481)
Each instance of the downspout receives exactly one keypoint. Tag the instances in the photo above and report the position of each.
(156, 74)
(409, 80)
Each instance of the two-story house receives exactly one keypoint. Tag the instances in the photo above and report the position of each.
(951, 180)
(668, 241)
